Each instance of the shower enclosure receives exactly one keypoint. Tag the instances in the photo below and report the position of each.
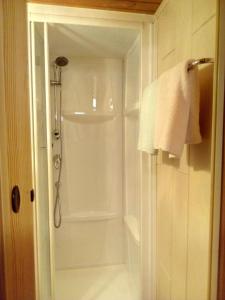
(93, 188)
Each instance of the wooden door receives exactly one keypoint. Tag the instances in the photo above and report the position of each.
(17, 272)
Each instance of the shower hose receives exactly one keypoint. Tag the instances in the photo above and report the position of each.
(57, 204)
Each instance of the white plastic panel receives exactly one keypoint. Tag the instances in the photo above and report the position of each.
(86, 79)
(134, 267)
(133, 72)
(90, 41)
(91, 184)
(92, 168)
(94, 283)
(90, 243)
(40, 160)
(132, 168)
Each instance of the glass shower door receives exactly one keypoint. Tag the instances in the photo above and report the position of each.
(40, 159)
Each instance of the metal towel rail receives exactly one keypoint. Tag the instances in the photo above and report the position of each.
(200, 62)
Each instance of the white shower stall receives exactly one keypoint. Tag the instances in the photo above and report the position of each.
(104, 247)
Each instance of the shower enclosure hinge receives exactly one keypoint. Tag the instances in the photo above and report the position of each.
(56, 134)
(55, 82)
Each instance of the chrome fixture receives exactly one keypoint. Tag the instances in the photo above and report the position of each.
(200, 62)
(57, 161)
(55, 82)
(56, 134)
(59, 62)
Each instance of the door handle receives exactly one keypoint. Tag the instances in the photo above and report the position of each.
(15, 198)
(32, 195)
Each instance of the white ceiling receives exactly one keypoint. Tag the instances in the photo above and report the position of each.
(90, 41)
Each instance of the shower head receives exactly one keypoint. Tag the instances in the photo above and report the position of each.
(61, 61)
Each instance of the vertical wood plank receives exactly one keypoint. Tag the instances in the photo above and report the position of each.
(15, 167)
(2, 158)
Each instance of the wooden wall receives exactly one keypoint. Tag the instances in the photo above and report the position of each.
(2, 157)
(16, 229)
(186, 29)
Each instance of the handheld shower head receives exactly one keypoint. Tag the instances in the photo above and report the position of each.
(61, 61)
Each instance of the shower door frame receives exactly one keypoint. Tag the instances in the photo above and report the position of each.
(218, 249)
(145, 24)
(34, 133)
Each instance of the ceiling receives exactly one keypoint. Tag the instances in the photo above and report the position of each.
(135, 6)
(90, 41)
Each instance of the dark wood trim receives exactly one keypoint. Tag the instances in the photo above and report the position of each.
(135, 6)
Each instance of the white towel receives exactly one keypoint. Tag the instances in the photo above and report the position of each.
(147, 119)
(177, 110)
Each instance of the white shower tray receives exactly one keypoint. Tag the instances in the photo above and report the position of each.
(90, 216)
(111, 282)
(132, 225)
(132, 110)
(89, 117)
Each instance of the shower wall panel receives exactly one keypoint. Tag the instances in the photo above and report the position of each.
(132, 166)
(91, 186)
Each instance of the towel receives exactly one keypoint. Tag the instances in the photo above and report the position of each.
(147, 119)
(177, 110)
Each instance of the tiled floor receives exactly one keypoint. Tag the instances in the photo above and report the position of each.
(99, 283)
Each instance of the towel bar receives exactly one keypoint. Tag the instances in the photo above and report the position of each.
(200, 62)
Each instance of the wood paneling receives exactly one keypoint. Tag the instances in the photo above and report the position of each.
(184, 227)
(2, 158)
(138, 6)
(15, 155)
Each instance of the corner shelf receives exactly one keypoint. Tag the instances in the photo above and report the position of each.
(89, 117)
(90, 216)
(132, 225)
(132, 110)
